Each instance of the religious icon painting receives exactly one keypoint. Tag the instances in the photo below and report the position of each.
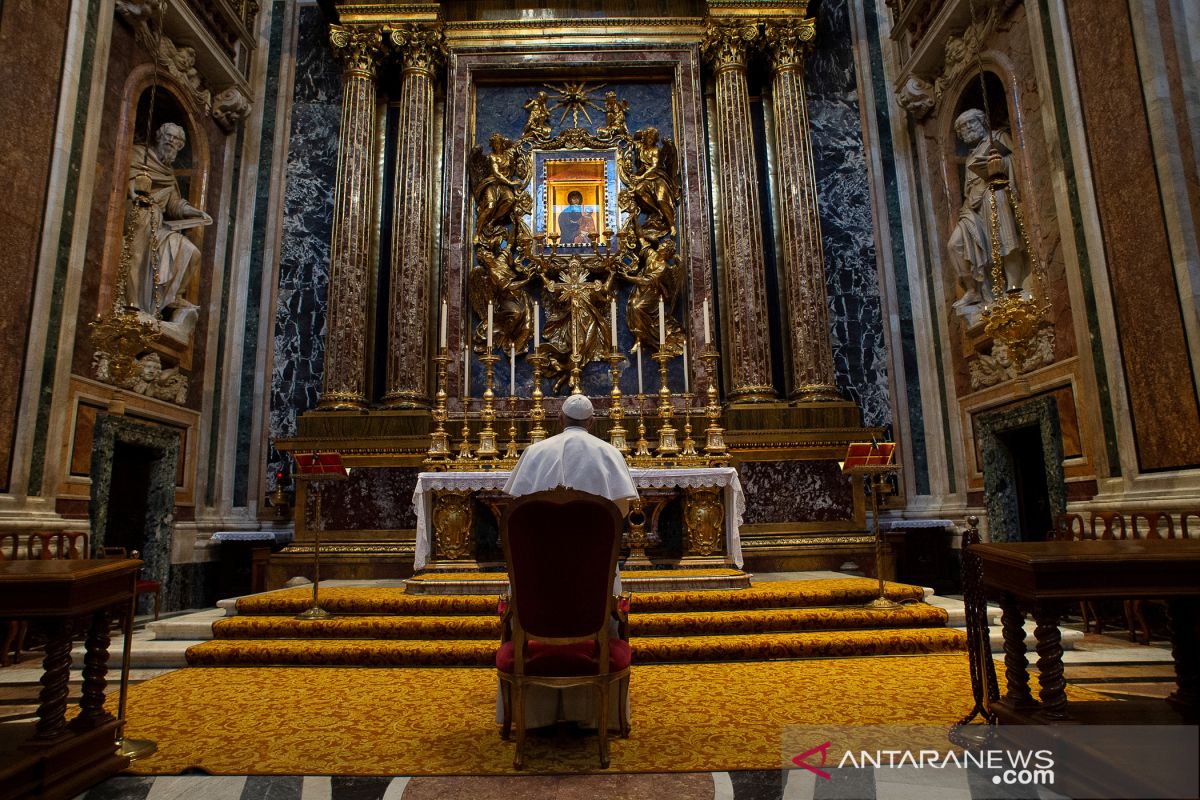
(576, 197)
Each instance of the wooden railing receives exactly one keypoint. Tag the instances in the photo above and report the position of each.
(42, 545)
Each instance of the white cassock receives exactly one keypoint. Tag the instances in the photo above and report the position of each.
(573, 459)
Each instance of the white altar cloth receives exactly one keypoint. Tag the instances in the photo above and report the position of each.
(683, 477)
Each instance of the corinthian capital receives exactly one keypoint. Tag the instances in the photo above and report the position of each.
(726, 44)
(420, 47)
(788, 41)
(357, 47)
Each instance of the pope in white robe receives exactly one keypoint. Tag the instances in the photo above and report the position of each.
(573, 459)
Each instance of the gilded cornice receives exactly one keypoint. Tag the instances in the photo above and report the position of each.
(421, 46)
(357, 47)
(352, 13)
(789, 41)
(727, 44)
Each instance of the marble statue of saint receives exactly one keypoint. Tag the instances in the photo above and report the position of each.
(970, 244)
(161, 232)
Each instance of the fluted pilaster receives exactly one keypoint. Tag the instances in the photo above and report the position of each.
(749, 356)
(801, 259)
(349, 251)
(421, 49)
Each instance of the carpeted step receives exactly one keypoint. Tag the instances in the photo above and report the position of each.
(395, 600)
(388, 653)
(778, 620)
(360, 627)
(262, 627)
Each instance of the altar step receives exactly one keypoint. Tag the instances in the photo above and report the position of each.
(390, 626)
(632, 580)
(705, 623)
(482, 652)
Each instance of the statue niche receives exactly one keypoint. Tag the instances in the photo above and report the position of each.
(565, 218)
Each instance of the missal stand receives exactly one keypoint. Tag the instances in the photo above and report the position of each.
(872, 461)
(315, 469)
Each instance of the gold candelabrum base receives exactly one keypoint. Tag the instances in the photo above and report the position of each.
(439, 440)
(667, 443)
(616, 431)
(487, 433)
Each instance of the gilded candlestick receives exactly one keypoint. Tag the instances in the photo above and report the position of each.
(537, 412)
(667, 443)
(714, 446)
(689, 444)
(487, 434)
(643, 447)
(464, 447)
(510, 451)
(576, 371)
(616, 431)
(439, 440)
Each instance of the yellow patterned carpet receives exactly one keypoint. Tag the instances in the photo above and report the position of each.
(686, 717)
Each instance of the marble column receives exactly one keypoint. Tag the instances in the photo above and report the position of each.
(748, 358)
(420, 49)
(349, 251)
(801, 260)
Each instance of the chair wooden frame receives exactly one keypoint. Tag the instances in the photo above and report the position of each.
(513, 684)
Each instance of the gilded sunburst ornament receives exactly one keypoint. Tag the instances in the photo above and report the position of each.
(574, 99)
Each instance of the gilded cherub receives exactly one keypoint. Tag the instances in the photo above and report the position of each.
(660, 277)
(614, 114)
(538, 124)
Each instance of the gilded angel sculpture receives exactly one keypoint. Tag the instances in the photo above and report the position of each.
(614, 114)
(494, 279)
(660, 277)
(538, 124)
(495, 179)
(656, 184)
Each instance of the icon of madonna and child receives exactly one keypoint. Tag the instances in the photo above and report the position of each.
(576, 220)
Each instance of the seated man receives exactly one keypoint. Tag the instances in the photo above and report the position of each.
(574, 459)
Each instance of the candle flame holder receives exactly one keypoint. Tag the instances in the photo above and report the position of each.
(667, 444)
(439, 440)
(616, 431)
(487, 433)
(714, 434)
(537, 411)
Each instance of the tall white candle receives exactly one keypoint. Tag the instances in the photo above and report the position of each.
(707, 329)
(445, 326)
(537, 327)
(685, 368)
(466, 370)
(613, 315)
(512, 370)
(638, 349)
(490, 308)
(662, 324)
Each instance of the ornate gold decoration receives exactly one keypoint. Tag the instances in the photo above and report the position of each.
(576, 328)
(452, 524)
(789, 41)
(422, 47)
(574, 98)
(1015, 319)
(714, 434)
(727, 43)
(439, 440)
(704, 518)
(616, 414)
(487, 434)
(121, 335)
(652, 175)
(614, 115)
(667, 445)
(357, 47)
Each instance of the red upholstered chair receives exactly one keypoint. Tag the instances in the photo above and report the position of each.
(143, 585)
(561, 547)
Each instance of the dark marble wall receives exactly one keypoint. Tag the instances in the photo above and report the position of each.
(795, 491)
(304, 248)
(370, 499)
(843, 195)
